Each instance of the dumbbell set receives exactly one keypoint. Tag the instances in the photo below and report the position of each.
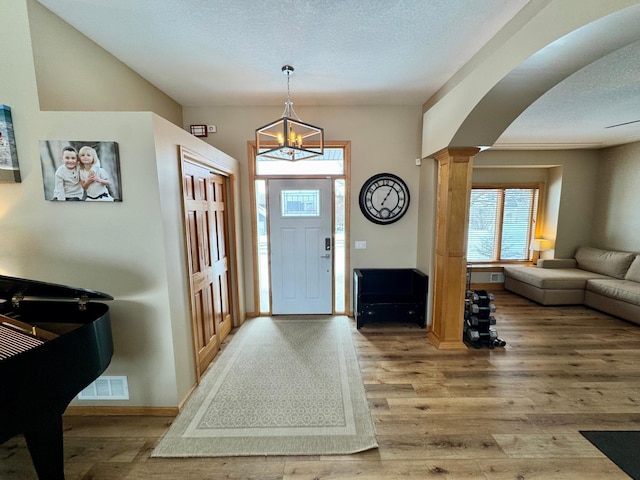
(478, 321)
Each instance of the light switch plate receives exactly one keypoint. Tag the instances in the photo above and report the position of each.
(361, 244)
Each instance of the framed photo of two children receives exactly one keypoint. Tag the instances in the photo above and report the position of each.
(80, 171)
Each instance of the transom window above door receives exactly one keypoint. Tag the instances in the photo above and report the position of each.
(330, 163)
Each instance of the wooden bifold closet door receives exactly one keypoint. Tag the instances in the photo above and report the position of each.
(206, 227)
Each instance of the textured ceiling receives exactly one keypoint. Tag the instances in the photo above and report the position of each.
(599, 104)
(345, 52)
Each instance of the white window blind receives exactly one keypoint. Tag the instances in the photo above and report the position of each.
(501, 223)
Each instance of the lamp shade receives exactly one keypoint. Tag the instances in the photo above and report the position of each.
(540, 245)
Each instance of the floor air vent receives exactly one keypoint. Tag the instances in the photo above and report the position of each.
(106, 388)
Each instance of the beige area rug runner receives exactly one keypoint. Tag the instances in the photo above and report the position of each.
(281, 387)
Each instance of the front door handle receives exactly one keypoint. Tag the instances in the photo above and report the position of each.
(328, 255)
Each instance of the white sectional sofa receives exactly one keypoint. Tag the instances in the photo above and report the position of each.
(606, 280)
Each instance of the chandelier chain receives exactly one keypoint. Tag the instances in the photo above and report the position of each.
(288, 138)
(288, 106)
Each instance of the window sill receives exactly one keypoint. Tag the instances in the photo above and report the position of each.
(495, 267)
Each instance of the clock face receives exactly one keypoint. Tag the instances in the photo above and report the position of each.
(384, 198)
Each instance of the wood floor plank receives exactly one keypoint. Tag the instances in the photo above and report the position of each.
(553, 445)
(254, 468)
(512, 412)
(435, 406)
(462, 424)
(439, 446)
(442, 469)
(390, 390)
(137, 426)
(573, 422)
(551, 469)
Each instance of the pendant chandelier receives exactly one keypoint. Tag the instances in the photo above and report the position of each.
(288, 138)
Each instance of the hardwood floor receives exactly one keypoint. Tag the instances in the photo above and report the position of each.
(507, 413)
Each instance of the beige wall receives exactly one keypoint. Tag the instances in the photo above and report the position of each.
(75, 74)
(616, 222)
(552, 208)
(106, 247)
(531, 174)
(132, 249)
(571, 182)
(577, 202)
(426, 224)
(167, 139)
(592, 196)
(383, 139)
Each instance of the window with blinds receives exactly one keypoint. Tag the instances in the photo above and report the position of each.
(502, 224)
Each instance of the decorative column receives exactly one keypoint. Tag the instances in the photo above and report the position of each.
(455, 168)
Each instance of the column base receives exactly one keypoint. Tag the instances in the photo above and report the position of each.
(446, 344)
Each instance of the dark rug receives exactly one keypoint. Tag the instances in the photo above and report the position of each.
(621, 447)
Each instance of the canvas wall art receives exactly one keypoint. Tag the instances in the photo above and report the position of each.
(9, 168)
(80, 171)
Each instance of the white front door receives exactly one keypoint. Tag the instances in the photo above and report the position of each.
(300, 222)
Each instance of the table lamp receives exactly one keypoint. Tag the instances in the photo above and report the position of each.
(539, 245)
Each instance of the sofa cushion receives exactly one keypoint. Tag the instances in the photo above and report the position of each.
(557, 263)
(633, 273)
(606, 262)
(554, 278)
(623, 290)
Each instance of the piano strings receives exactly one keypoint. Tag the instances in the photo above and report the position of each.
(17, 337)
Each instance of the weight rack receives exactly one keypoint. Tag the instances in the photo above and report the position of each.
(478, 319)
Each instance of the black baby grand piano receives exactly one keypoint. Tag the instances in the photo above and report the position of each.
(54, 341)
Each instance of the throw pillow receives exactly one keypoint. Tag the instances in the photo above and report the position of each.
(605, 262)
(633, 273)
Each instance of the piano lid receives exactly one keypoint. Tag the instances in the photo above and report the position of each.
(12, 287)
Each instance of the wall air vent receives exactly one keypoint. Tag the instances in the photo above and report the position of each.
(497, 278)
(106, 388)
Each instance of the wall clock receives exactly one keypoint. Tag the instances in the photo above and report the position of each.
(384, 198)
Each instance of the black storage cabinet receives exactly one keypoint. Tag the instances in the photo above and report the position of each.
(389, 295)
